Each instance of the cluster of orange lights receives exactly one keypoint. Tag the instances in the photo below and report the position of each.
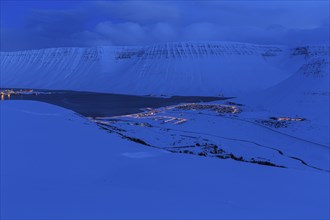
(287, 119)
(219, 108)
(290, 119)
(8, 92)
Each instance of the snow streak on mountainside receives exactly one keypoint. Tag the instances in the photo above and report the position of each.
(188, 68)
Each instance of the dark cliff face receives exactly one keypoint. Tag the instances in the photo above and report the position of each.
(311, 51)
(190, 50)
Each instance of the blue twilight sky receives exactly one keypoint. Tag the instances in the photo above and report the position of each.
(41, 24)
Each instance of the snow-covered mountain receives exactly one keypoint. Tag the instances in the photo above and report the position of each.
(188, 68)
(306, 92)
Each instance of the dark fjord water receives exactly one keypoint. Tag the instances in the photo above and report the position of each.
(92, 104)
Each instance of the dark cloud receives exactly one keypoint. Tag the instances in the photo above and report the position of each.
(146, 22)
(142, 12)
(54, 23)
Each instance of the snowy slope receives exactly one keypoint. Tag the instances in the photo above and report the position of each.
(225, 131)
(305, 94)
(188, 68)
(309, 85)
(56, 165)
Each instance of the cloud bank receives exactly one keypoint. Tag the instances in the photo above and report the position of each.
(81, 24)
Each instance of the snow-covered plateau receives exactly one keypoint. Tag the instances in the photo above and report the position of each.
(264, 154)
(188, 68)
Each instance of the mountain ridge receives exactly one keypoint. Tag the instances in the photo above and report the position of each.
(179, 68)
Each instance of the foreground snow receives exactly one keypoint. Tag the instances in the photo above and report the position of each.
(55, 164)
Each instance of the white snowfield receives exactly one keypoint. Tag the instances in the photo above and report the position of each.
(263, 155)
(57, 165)
(183, 68)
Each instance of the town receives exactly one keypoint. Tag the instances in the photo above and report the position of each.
(7, 93)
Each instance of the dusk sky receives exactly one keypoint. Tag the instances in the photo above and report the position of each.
(43, 24)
